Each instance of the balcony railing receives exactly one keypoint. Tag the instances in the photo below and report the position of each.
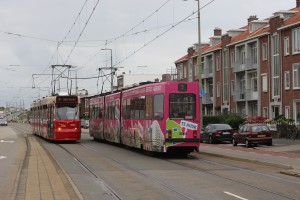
(251, 94)
(240, 96)
(207, 99)
(248, 65)
(246, 95)
(207, 73)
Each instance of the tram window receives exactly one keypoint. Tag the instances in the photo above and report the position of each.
(159, 106)
(67, 112)
(182, 106)
(149, 107)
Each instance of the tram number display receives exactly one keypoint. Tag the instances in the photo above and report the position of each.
(66, 99)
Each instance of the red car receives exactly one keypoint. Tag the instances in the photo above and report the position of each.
(250, 134)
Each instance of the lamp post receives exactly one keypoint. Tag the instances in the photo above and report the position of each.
(111, 70)
(199, 64)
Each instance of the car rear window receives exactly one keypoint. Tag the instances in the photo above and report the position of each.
(259, 128)
(222, 126)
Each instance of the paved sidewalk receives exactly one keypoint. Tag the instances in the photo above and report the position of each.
(45, 179)
(284, 154)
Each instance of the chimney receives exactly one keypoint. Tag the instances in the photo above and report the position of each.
(253, 17)
(218, 31)
(298, 3)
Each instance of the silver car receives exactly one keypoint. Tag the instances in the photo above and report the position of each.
(3, 122)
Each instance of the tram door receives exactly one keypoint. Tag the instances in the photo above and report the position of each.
(50, 121)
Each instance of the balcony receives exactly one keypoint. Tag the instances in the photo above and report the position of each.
(251, 94)
(247, 95)
(207, 73)
(240, 96)
(248, 65)
(207, 99)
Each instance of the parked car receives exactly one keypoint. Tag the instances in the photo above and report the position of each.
(3, 122)
(216, 133)
(84, 123)
(250, 134)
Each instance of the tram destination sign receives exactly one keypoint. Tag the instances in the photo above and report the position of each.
(66, 99)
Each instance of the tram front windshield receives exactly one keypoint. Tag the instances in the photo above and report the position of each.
(182, 106)
(67, 112)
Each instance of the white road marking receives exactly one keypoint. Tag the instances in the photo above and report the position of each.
(283, 157)
(234, 195)
(6, 141)
(1, 157)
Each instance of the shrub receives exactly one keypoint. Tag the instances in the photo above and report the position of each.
(233, 120)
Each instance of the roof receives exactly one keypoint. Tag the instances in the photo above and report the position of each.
(247, 35)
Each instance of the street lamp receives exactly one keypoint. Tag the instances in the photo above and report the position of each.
(111, 69)
(199, 63)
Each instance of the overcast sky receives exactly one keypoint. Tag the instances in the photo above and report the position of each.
(36, 34)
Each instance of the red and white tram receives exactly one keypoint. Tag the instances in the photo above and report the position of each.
(56, 118)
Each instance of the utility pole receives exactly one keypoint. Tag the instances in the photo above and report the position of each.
(111, 71)
(199, 64)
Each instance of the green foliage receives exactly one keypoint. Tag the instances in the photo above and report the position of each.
(233, 120)
(212, 119)
(2, 108)
(282, 120)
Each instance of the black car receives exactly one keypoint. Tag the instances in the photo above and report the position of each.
(216, 133)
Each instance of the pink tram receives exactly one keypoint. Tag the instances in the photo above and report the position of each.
(156, 117)
(56, 118)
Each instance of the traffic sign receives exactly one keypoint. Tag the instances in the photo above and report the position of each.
(201, 92)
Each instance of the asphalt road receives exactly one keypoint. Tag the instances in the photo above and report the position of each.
(12, 149)
(104, 171)
(123, 173)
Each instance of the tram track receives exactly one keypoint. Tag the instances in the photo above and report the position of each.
(105, 186)
(185, 164)
(228, 178)
(112, 192)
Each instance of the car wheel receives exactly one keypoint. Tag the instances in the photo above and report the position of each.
(234, 143)
(210, 140)
(248, 145)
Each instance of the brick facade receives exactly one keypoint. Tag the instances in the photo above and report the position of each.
(251, 68)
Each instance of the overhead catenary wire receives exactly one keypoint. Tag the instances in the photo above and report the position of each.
(161, 34)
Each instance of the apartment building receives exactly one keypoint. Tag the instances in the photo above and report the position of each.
(251, 71)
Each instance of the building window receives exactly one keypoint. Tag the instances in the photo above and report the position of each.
(296, 40)
(232, 59)
(184, 71)
(232, 88)
(287, 112)
(218, 90)
(265, 112)
(254, 53)
(226, 81)
(287, 80)
(296, 75)
(264, 81)
(218, 63)
(180, 71)
(253, 78)
(275, 66)
(191, 70)
(264, 51)
(241, 55)
(286, 46)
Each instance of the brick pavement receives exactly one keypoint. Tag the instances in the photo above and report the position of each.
(44, 178)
